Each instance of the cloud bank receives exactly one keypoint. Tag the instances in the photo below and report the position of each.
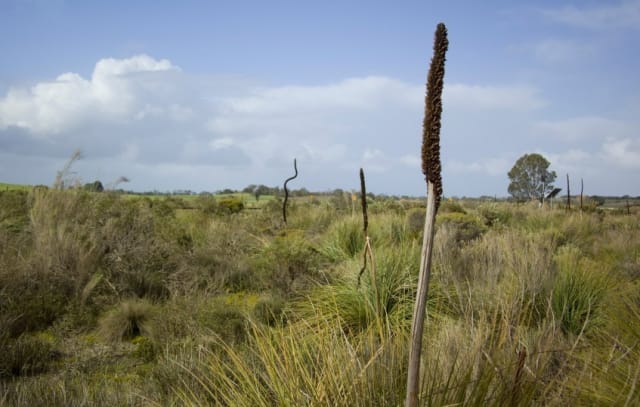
(166, 129)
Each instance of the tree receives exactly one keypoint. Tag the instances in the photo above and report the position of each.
(530, 178)
(94, 186)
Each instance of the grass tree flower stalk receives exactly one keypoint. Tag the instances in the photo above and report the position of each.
(432, 169)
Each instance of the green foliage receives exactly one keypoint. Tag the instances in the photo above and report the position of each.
(287, 262)
(345, 239)
(26, 355)
(579, 292)
(240, 310)
(95, 186)
(466, 227)
(495, 215)
(530, 178)
(226, 319)
(14, 215)
(269, 310)
(145, 348)
(415, 221)
(451, 206)
(230, 205)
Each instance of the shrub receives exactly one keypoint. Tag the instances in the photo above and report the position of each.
(207, 204)
(451, 206)
(230, 205)
(494, 216)
(26, 355)
(269, 310)
(227, 320)
(467, 227)
(286, 260)
(14, 210)
(415, 221)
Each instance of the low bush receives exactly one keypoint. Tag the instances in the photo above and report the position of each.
(28, 354)
(466, 226)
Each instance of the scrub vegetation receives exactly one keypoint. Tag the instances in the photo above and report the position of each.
(108, 299)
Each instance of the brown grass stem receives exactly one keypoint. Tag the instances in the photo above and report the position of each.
(431, 167)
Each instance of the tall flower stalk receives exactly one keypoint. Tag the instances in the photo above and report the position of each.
(432, 169)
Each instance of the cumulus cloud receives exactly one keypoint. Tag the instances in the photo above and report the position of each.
(623, 153)
(69, 100)
(624, 14)
(167, 129)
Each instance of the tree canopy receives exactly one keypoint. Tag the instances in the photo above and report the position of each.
(530, 178)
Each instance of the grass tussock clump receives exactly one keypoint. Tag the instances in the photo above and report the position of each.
(130, 319)
(579, 292)
(114, 300)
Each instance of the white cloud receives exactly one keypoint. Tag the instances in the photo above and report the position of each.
(556, 51)
(625, 14)
(410, 160)
(491, 166)
(220, 143)
(623, 153)
(482, 98)
(168, 129)
(582, 128)
(355, 93)
(52, 107)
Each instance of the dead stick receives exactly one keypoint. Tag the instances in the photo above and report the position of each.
(286, 192)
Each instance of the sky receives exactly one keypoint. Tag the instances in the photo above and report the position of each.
(208, 95)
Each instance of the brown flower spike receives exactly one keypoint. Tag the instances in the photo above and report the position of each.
(432, 169)
(431, 166)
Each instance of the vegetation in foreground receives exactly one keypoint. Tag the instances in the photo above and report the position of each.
(113, 301)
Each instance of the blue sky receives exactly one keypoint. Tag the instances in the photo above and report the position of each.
(206, 95)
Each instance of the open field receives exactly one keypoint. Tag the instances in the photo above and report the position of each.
(107, 300)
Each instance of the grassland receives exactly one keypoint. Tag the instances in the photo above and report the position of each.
(113, 300)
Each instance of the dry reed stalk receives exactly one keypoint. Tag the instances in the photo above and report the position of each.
(431, 167)
(568, 195)
(365, 222)
(368, 251)
(581, 192)
(286, 191)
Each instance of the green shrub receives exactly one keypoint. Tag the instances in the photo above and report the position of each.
(26, 355)
(286, 262)
(207, 204)
(467, 227)
(230, 205)
(14, 210)
(493, 215)
(227, 320)
(145, 348)
(269, 310)
(415, 221)
(451, 206)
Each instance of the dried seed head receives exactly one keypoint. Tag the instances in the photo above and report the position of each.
(431, 166)
(363, 199)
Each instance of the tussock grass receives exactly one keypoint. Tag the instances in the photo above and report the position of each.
(217, 316)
